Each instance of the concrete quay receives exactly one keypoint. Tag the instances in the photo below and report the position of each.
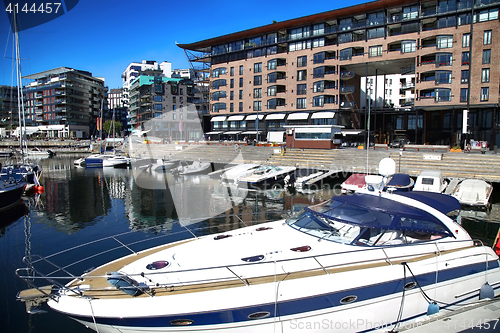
(451, 164)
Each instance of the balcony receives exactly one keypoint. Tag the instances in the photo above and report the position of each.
(39, 95)
(347, 105)
(347, 90)
(347, 75)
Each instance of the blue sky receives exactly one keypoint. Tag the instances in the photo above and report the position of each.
(104, 36)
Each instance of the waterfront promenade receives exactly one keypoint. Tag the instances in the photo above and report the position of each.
(451, 164)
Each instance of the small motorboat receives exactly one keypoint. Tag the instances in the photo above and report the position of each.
(233, 174)
(355, 182)
(267, 174)
(365, 259)
(96, 160)
(473, 192)
(431, 181)
(79, 162)
(305, 176)
(191, 169)
(161, 165)
(117, 161)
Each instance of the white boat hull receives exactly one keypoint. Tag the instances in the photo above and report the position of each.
(291, 304)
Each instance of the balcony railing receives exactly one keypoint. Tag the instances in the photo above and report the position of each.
(346, 75)
(347, 90)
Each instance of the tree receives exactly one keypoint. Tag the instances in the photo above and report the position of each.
(108, 127)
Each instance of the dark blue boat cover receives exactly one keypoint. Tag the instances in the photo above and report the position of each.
(377, 212)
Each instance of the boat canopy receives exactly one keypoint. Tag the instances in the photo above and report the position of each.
(441, 202)
(375, 212)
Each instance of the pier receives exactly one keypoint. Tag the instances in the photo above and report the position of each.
(349, 160)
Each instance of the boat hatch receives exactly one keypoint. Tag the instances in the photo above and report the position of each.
(157, 265)
(181, 322)
(259, 315)
(253, 259)
(301, 248)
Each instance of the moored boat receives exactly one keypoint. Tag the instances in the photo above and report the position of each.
(11, 191)
(473, 192)
(431, 180)
(355, 258)
(267, 175)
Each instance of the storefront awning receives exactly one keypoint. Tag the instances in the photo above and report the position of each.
(323, 115)
(313, 130)
(351, 131)
(218, 118)
(251, 132)
(275, 116)
(298, 116)
(235, 118)
(254, 116)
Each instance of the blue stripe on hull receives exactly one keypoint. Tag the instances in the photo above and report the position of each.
(296, 306)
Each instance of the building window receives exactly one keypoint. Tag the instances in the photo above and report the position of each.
(241, 69)
(443, 95)
(444, 42)
(443, 77)
(301, 89)
(158, 107)
(463, 94)
(319, 58)
(465, 58)
(485, 75)
(318, 29)
(219, 71)
(408, 46)
(302, 61)
(302, 75)
(487, 37)
(231, 71)
(257, 93)
(240, 107)
(443, 59)
(216, 107)
(231, 83)
(318, 101)
(319, 86)
(487, 14)
(240, 94)
(240, 83)
(231, 95)
(272, 64)
(410, 12)
(345, 54)
(465, 76)
(319, 72)
(272, 90)
(485, 94)
(466, 40)
(486, 56)
(375, 33)
(375, 51)
(301, 103)
(257, 67)
(257, 80)
(218, 83)
(158, 98)
(318, 42)
(231, 107)
(257, 105)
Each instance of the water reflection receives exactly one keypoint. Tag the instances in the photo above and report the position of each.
(77, 198)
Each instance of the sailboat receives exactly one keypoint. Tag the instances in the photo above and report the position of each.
(22, 170)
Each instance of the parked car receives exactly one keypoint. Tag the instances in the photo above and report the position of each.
(399, 143)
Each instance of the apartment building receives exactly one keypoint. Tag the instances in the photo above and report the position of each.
(135, 69)
(9, 115)
(117, 110)
(314, 70)
(165, 106)
(64, 102)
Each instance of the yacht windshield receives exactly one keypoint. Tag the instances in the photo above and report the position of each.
(350, 221)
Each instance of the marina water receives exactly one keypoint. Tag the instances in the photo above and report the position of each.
(82, 205)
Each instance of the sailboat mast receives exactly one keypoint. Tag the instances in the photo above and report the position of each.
(20, 99)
